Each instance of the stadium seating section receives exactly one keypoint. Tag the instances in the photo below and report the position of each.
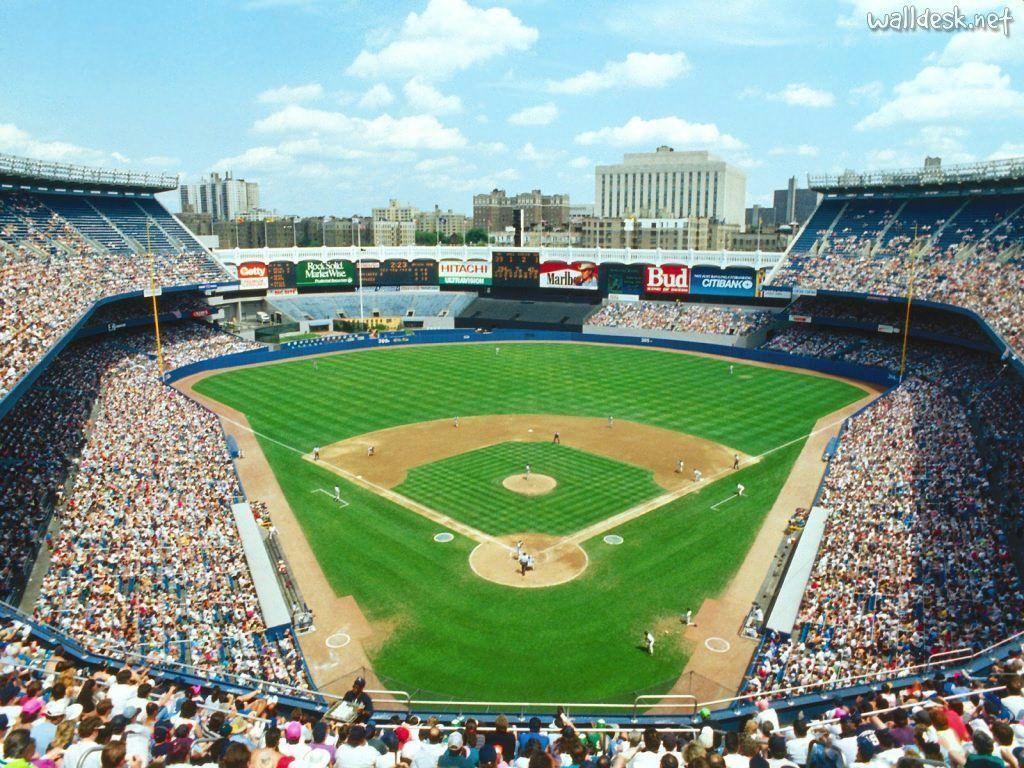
(515, 313)
(681, 316)
(965, 250)
(60, 253)
(384, 303)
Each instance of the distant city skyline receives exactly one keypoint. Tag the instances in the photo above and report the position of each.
(340, 105)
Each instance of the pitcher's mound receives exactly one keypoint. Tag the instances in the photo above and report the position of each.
(556, 561)
(534, 485)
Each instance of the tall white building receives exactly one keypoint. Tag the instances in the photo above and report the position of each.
(223, 198)
(394, 225)
(666, 184)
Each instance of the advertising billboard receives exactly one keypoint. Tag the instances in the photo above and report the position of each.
(369, 273)
(712, 281)
(464, 273)
(252, 276)
(669, 279)
(575, 276)
(339, 273)
(516, 269)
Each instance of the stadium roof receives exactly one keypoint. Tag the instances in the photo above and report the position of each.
(995, 172)
(23, 171)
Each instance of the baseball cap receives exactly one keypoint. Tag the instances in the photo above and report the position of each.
(315, 758)
(56, 708)
(488, 754)
(360, 681)
(867, 745)
(293, 731)
(131, 713)
(74, 711)
(403, 734)
(455, 741)
(32, 706)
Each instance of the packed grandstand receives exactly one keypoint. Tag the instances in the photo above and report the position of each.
(918, 559)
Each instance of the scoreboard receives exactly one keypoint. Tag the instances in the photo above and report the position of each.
(516, 269)
(281, 275)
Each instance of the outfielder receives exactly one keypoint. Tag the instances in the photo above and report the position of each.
(649, 642)
(740, 489)
(337, 493)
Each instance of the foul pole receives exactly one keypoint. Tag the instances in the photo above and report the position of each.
(910, 299)
(152, 293)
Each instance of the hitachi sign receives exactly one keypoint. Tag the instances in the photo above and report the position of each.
(671, 278)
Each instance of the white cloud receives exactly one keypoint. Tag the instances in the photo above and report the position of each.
(802, 95)
(800, 150)
(638, 131)
(971, 91)
(869, 93)
(292, 94)
(161, 161)
(470, 184)
(263, 158)
(637, 70)
(581, 162)
(411, 132)
(727, 22)
(534, 155)
(542, 114)
(447, 37)
(1008, 149)
(986, 47)
(16, 141)
(423, 97)
(377, 97)
(945, 141)
(438, 163)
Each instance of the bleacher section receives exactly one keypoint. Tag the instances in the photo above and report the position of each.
(326, 306)
(963, 249)
(508, 313)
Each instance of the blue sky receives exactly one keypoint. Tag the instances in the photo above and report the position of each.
(335, 106)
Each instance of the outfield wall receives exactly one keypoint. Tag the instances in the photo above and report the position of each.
(869, 374)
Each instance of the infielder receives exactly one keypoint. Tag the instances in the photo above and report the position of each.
(519, 549)
(557, 439)
(524, 563)
(611, 422)
(316, 453)
(649, 642)
(697, 475)
(735, 461)
(456, 422)
(679, 467)
(740, 489)
(370, 450)
(527, 471)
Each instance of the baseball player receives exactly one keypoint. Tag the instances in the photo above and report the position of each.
(679, 467)
(316, 453)
(688, 617)
(740, 489)
(697, 475)
(735, 461)
(649, 642)
(524, 563)
(337, 493)
(519, 549)
(527, 471)
(370, 451)
(557, 439)
(730, 370)
(456, 422)
(315, 366)
(611, 422)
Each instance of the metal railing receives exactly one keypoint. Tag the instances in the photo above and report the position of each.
(1010, 169)
(44, 170)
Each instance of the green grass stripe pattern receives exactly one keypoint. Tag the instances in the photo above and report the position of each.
(454, 634)
(468, 487)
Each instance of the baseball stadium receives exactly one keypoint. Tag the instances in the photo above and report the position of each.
(519, 503)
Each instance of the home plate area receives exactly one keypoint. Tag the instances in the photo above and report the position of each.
(532, 485)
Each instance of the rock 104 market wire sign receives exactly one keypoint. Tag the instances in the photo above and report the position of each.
(577, 276)
(340, 272)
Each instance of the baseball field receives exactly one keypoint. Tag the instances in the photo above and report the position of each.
(448, 618)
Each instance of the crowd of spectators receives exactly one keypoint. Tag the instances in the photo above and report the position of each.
(50, 275)
(963, 266)
(57, 714)
(145, 557)
(923, 491)
(923, 319)
(681, 316)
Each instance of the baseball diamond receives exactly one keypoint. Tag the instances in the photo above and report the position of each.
(611, 475)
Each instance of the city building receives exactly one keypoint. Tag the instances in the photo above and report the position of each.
(699, 234)
(493, 211)
(395, 225)
(794, 206)
(770, 240)
(223, 199)
(666, 184)
(445, 223)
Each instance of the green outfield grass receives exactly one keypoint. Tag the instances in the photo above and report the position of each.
(468, 487)
(453, 634)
